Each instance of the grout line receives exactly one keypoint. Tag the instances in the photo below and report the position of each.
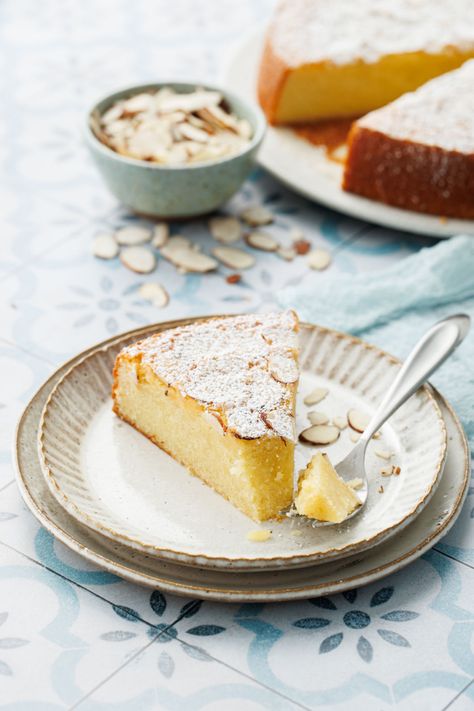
(12, 344)
(460, 693)
(114, 673)
(456, 560)
(247, 676)
(5, 486)
(83, 587)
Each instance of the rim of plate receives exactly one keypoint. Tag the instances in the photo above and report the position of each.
(238, 563)
(326, 192)
(238, 594)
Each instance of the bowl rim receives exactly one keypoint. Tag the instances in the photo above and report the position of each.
(252, 107)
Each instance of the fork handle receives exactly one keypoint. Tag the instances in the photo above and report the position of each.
(428, 354)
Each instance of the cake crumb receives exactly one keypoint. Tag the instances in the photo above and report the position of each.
(259, 535)
(380, 489)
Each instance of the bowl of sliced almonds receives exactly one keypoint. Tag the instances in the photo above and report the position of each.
(174, 149)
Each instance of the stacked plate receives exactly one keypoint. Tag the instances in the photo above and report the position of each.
(109, 494)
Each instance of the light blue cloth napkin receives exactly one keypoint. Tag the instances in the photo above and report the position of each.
(392, 308)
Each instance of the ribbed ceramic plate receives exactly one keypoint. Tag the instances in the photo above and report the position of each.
(294, 583)
(118, 483)
(307, 170)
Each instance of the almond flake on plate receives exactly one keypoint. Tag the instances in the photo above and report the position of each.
(340, 422)
(386, 471)
(382, 454)
(355, 484)
(257, 216)
(225, 229)
(155, 293)
(354, 437)
(319, 259)
(320, 434)
(161, 233)
(176, 242)
(233, 257)
(105, 246)
(318, 418)
(261, 240)
(138, 259)
(315, 396)
(131, 236)
(358, 420)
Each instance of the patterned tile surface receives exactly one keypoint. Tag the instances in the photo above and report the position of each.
(71, 634)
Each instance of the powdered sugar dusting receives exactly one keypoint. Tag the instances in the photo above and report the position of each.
(225, 364)
(344, 31)
(440, 113)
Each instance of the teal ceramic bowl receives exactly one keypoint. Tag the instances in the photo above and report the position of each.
(174, 191)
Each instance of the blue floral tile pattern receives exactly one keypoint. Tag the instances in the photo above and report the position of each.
(74, 636)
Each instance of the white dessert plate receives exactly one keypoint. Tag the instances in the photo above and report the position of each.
(307, 170)
(114, 480)
(265, 586)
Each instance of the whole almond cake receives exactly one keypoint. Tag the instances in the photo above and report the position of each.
(418, 152)
(219, 396)
(326, 59)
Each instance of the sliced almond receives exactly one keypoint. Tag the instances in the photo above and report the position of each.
(318, 418)
(297, 234)
(189, 259)
(176, 242)
(155, 293)
(340, 422)
(386, 471)
(376, 435)
(358, 420)
(355, 484)
(315, 396)
(380, 489)
(396, 470)
(283, 369)
(131, 236)
(193, 101)
(262, 240)
(319, 259)
(105, 246)
(320, 434)
(234, 258)
(286, 253)
(138, 259)
(354, 437)
(257, 216)
(382, 454)
(225, 229)
(161, 233)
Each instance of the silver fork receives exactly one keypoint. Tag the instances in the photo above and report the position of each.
(429, 353)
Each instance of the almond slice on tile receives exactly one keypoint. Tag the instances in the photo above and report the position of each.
(138, 259)
(283, 369)
(320, 434)
(133, 235)
(319, 259)
(340, 422)
(382, 454)
(189, 259)
(262, 240)
(318, 418)
(358, 420)
(161, 234)
(225, 229)
(286, 253)
(105, 246)
(233, 258)
(257, 216)
(155, 293)
(176, 242)
(315, 396)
